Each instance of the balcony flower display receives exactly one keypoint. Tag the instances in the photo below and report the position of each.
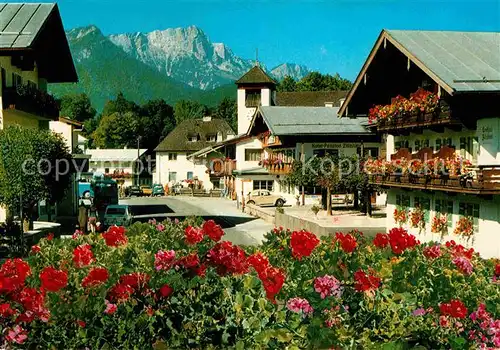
(30, 99)
(440, 224)
(465, 227)
(417, 218)
(401, 216)
(421, 101)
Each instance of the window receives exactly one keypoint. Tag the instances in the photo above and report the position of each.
(438, 145)
(172, 156)
(263, 185)
(4, 78)
(425, 204)
(253, 155)
(212, 138)
(326, 152)
(172, 176)
(470, 209)
(106, 170)
(444, 207)
(417, 145)
(189, 175)
(193, 138)
(17, 80)
(425, 143)
(402, 200)
(252, 98)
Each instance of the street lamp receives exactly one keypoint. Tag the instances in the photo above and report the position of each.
(137, 162)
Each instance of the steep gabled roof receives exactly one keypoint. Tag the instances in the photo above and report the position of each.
(311, 121)
(36, 30)
(460, 62)
(309, 98)
(178, 140)
(256, 75)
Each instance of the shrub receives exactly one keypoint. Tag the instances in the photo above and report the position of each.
(161, 286)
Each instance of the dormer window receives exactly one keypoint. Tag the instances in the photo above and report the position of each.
(252, 98)
(212, 138)
(193, 138)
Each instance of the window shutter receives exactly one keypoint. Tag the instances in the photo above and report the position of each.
(438, 144)
(417, 145)
(426, 143)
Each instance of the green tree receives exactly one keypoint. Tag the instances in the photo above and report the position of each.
(185, 109)
(287, 84)
(117, 131)
(77, 107)
(228, 110)
(316, 81)
(157, 121)
(35, 165)
(89, 127)
(120, 105)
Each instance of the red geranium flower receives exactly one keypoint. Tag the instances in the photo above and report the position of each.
(189, 261)
(364, 282)
(347, 242)
(16, 335)
(303, 243)
(33, 302)
(115, 236)
(166, 291)
(497, 270)
(52, 279)
(35, 249)
(136, 280)
(6, 310)
(110, 308)
(228, 258)
(82, 255)
(194, 235)
(50, 236)
(272, 279)
(81, 323)
(400, 240)
(96, 277)
(455, 308)
(212, 230)
(258, 261)
(432, 252)
(381, 240)
(458, 250)
(13, 274)
(120, 292)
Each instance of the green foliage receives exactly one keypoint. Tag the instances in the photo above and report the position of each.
(157, 121)
(33, 167)
(77, 107)
(315, 81)
(228, 110)
(117, 130)
(185, 109)
(120, 105)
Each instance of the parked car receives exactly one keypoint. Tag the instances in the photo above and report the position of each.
(133, 191)
(265, 197)
(158, 190)
(118, 215)
(342, 198)
(146, 190)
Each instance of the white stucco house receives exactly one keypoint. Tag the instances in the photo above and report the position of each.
(173, 161)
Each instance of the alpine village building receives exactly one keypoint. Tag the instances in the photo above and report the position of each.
(33, 52)
(434, 97)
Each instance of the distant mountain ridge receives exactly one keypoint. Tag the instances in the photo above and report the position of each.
(173, 64)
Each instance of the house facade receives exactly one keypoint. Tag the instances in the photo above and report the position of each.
(435, 98)
(174, 160)
(34, 52)
(277, 128)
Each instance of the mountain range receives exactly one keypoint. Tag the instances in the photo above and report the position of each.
(173, 64)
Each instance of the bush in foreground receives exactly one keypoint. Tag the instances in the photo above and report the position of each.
(179, 285)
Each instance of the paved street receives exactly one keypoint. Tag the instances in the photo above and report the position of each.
(240, 228)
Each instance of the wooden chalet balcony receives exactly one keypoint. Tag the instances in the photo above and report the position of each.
(279, 162)
(269, 140)
(405, 121)
(482, 180)
(221, 167)
(31, 100)
(279, 168)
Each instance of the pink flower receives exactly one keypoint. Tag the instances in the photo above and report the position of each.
(299, 305)
(16, 335)
(164, 259)
(432, 252)
(419, 312)
(160, 227)
(328, 286)
(110, 308)
(464, 265)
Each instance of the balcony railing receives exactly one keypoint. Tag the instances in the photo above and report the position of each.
(279, 168)
(221, 167)
(30, 100)
(486, 181)
(403, 121)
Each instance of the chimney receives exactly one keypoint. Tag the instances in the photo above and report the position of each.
(207, 118)
(341, 101)
(329, 104)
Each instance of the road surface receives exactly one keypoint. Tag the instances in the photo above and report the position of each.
(240, 228)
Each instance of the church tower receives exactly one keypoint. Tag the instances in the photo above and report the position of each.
(255, 88)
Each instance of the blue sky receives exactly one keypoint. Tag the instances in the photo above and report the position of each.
(329, 36)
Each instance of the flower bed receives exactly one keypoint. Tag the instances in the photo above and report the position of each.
(178, 285)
